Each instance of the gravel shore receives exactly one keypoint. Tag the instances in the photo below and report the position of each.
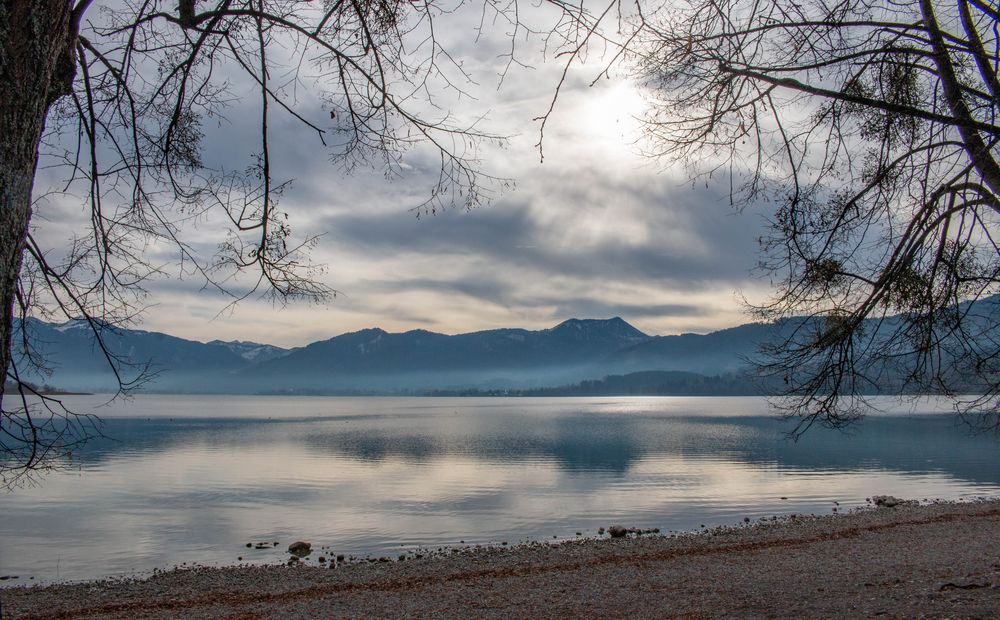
(935, 560)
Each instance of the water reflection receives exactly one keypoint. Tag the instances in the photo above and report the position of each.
(195, 478)
(582, 440)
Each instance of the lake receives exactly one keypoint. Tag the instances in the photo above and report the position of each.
(192, 479)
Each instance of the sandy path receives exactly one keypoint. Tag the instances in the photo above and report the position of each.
(941, 560)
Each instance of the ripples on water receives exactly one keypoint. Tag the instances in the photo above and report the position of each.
(193, 478)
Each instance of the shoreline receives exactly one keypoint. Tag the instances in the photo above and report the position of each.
(940, 558)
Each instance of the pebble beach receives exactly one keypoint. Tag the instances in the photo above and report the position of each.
(907, 560)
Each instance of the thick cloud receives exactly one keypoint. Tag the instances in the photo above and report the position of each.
(641, 229)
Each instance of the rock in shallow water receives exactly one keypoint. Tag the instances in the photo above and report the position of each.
(300, 548)
(617, 531)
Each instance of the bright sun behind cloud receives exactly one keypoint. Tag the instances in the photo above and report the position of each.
(611, 111)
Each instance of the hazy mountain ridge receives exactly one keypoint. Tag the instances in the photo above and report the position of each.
(375, 350)
(376, 361)
(723, 351)
(76, 362)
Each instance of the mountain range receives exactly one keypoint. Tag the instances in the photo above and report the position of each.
(376, 361)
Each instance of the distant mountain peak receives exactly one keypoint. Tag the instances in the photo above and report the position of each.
(616, 326)
(419, 332)
(368, 331)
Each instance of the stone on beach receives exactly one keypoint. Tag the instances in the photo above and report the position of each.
(887, 501)
(300, 548)
(617, 531)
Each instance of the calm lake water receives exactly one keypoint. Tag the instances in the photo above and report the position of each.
(192, 479)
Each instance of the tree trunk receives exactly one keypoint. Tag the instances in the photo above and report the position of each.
(37, 65)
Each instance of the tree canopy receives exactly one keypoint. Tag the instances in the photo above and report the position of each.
(870, 131)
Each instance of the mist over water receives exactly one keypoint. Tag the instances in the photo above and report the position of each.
(194, 478)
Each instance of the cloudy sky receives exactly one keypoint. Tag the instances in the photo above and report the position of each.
(593, 231)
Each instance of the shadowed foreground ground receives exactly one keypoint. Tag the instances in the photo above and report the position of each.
(936, 561)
